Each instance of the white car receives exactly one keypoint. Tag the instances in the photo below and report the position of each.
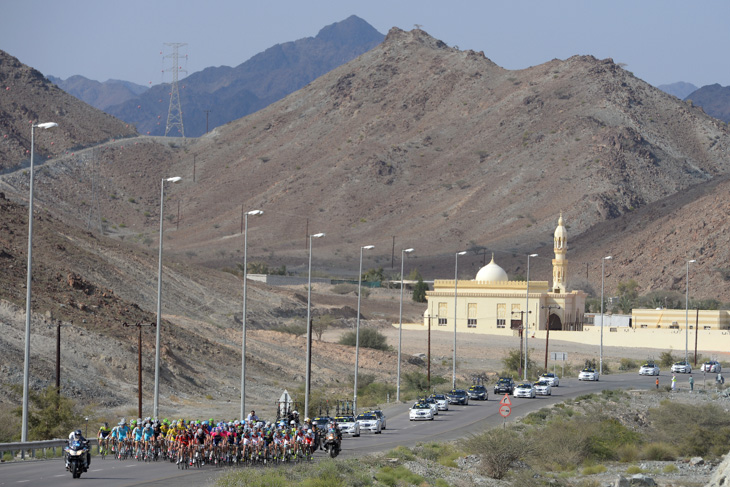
(442, 402)
(369, 422)
(681, 368)
(551, 379)
(420, 411)
(524, 389)
(431, 402)
(543, 388)
(649, 368)
(711, 366)
(588, 374)
(348, 425)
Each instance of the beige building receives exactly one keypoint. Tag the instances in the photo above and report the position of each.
(492, 303)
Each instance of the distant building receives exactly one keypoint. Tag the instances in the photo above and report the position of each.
(492, 303)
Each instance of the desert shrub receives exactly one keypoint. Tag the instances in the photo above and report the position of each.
(614, 394)
(628, 364)
(594, 469)
(443, 453)
(666, 359)
(398, 476)
(498, 449)
(50, 415)
(537, 417)
(344, 288)
(294, 329)
(402, 453)
(634, 469)
(374, 393)
(369, 338)
(628, 453)
(693, 431)
(659, 451)
(513, 362)
(9, 425)
(671, 468)
(417, 382)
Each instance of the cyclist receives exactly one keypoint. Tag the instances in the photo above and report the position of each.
(103, 437)
(137, 437)
(147, 436)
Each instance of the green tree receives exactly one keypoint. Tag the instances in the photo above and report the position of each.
(50, 415)
(414, 275)
(373, 275)
(513, 363)
(320, 324)
(419, 291)
(628, 293)
(369, 338)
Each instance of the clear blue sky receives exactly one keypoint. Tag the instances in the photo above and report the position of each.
(660, 41)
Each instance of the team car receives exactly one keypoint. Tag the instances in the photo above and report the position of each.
(681, 368)
(441, 401)
(420, 411)
(524, 389)
(505, 385)
(649, 368)
(348, 425)
(370, 422)
(551, 379)
(458, 396)
(588, 374)
(478, 393)
(543, 388)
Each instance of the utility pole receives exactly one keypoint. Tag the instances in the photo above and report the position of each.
(547, 331)
(58, 354)
(139, 364)
(206, 120)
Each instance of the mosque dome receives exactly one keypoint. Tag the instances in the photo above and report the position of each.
(560, 231)
(492, 273)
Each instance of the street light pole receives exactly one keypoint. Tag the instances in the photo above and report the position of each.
(400, 321)
(603, 274)
(309, 328)
(527, 314)
(26, 364)
(547, 330)
(456, 280)
(155, 408)
(686, 314)
(243, 317)
(357, 330)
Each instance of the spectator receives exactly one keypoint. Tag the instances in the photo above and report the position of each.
(691, 384)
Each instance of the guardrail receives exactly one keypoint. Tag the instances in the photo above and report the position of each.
(31, 449)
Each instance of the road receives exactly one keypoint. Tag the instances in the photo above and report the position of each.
(456, 423)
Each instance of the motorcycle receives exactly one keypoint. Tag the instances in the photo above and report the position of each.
(76, 453)
(332, 443)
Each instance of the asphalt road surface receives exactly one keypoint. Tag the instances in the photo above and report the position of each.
(456, 423)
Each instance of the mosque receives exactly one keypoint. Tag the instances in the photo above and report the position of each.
(494, 304)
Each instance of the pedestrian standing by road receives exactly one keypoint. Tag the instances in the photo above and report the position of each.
(674, 383)
(657, 383)
(691, 384)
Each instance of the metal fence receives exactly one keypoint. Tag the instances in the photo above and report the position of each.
(35, 450)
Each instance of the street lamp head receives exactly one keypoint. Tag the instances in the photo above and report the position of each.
(608, 257)
(46, 125)
(174, 180)
(463, 252)
(318, 235)
(408, 251)
(368, 247)
(691, 261)
(532, 255)
(255, 212)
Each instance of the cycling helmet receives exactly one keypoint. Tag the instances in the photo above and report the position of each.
(307, 420)
(292, 422)
(133, 422)
(106, 425)
(309, 430)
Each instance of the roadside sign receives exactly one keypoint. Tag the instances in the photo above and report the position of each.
(559, 356)
(505, 410)
(505, 401)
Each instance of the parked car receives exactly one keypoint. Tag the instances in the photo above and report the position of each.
(682, 368)
(505, 385)
(369, 422)
(458, 396)
(551, 379)
(649, 368)
(380, 414)
(524, 389)
(348, 425)
(420, 411)
(543, 388)
(441, 401)
(712, 366)
(588, 374)
(478, 393)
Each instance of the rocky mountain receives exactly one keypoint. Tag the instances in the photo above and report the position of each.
(412, 144)
(27, 96)
(99, 95)
(680, 89)
(714, 100)
(231, 93)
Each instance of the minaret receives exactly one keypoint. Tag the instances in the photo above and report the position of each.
(560, 263)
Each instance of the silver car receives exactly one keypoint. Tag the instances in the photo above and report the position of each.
(369, 422)
(348, 425)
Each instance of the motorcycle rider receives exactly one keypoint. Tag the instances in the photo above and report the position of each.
(77, 436)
